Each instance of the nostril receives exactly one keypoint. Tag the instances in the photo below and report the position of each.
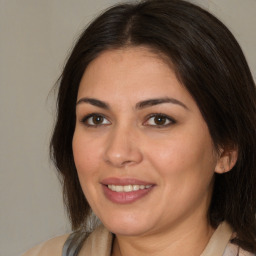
(126, 162)
(121, 153)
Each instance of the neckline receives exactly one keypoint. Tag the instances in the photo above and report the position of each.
(219, 240)
(100, 242)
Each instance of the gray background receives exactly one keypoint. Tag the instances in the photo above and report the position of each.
(35, 39)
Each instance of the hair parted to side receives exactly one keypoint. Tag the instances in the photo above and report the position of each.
(209, 62)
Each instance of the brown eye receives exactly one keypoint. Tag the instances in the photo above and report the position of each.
(95, 120)
(159, 120)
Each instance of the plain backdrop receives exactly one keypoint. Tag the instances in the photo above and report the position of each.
(35, 38)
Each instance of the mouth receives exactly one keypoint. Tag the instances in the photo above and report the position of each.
(125, 191)
(128, 188)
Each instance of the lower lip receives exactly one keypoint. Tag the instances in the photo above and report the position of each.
(125, 197)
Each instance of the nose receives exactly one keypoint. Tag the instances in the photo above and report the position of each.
(122, 148)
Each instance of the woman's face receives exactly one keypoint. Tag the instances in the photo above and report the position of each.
(143, 152)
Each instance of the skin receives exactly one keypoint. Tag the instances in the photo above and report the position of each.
(178, 156)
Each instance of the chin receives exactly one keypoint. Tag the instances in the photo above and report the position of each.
(127, 226)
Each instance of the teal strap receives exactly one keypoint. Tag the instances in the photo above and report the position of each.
(74, 244)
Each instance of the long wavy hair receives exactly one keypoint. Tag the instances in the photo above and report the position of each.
(209, 62)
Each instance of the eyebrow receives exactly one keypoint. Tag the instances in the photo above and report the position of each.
(94, 102)
(153, 102)
(139, 105)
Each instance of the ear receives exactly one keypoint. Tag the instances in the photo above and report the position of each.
(226, 160)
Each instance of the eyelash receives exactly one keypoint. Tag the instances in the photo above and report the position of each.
(168, 119)
(87, 117)
(155, 115)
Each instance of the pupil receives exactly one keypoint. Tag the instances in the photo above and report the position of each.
(160, 120)
(97, 119)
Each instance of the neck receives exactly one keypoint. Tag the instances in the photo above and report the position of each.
(182, 240)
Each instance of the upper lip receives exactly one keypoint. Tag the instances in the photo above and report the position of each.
(124, 181)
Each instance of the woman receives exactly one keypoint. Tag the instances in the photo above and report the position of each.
(156, 135)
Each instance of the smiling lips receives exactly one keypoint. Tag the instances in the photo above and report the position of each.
(125, 191)
(127, 188)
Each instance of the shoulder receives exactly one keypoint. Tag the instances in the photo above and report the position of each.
(233, 249)
(220, 243)
(99, 242)
(51, 247)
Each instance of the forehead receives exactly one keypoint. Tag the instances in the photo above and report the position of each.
(126, 67)
(129, 58)
(126, 76)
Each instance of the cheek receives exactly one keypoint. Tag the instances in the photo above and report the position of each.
(184, 157)
(186, 168)
(86, 154)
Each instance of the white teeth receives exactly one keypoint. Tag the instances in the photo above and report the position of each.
(127, 188)
(135, 187)
(119, 188)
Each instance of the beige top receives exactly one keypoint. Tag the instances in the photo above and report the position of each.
(100, 242)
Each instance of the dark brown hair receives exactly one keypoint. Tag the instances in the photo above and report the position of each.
(209, 63)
